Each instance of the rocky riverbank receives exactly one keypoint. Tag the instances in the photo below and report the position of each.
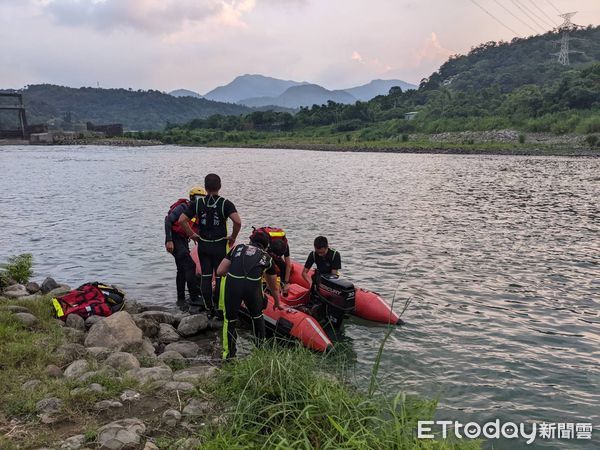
(131, 380)
(142, 379)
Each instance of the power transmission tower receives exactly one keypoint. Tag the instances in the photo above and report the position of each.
(565, 27)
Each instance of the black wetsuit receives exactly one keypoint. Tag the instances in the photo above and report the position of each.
(244, 283)
(325, 264)
(186, 268)
(212, 212)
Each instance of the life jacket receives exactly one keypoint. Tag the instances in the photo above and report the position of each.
(177, 227)
(275, 234)
(248, 262)
(89, 299)
(211, 218)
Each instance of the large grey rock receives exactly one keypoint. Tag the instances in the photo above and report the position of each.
(47, 285)
(115, 332)
(148, 325)
(100, 353)
(73, 335)
(129, 395)
(121, 434)
(48, 405)
(171, 417)
(92, 388)
(68, 353)
(32, 287)
(159, 316)
(76, 322)
(30, 385)
(62, 289)
(182, 386)
(132, 306)
(197, 407)
(105, 371)
(186, 348)
(73, 443)
(107, 404)
(192, 325)
(15, 291)
(170, 356)
(148, 374)
(142, 349)
(215, 324)
(190, 444)
(77, 368)
(168, 334)
(122, 361)
(195, 373)
(54, 371)
(92, 320)
(26, 319)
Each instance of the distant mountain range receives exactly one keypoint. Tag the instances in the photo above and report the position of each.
(185, 93)
(260, 91)
(250, 86)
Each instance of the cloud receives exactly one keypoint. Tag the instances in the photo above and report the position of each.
(150, 16)
(432, 49)
(357, 57)
(375, 65)
(232, 13)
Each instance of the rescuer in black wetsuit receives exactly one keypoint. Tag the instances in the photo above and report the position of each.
(280, 252)
(327, 260)
(242, 271)
(212, 212)
(176, 243)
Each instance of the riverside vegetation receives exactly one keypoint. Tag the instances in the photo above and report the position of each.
(131, 381)
(496, 86)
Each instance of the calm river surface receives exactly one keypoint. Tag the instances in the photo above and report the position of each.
(500, 255)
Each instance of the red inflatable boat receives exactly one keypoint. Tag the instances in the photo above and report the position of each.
(306, 313)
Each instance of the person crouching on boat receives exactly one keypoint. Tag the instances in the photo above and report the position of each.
(177, 244)
(242, 272)
(279, 250)
(328, 260)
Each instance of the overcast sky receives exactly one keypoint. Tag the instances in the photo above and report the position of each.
(200, 44)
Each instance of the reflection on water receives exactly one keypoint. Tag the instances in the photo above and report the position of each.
(500, 255)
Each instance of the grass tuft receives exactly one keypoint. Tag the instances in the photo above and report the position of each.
(280, 398)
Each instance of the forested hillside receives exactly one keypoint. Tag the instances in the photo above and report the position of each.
(517, 85)
(136, 110)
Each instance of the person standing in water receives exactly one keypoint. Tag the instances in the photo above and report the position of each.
(211, 212)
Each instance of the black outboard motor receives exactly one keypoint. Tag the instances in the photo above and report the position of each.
(333, 298)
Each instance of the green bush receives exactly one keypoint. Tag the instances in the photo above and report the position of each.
(18, 268)
(521, 138)
(349, 125)
(590, 125)
(592, 140)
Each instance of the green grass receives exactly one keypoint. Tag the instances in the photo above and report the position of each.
(25, 354)
(281, 398)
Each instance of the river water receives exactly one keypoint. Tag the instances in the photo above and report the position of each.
(499, 255)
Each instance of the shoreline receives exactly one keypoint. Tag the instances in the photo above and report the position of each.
(443, 149)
